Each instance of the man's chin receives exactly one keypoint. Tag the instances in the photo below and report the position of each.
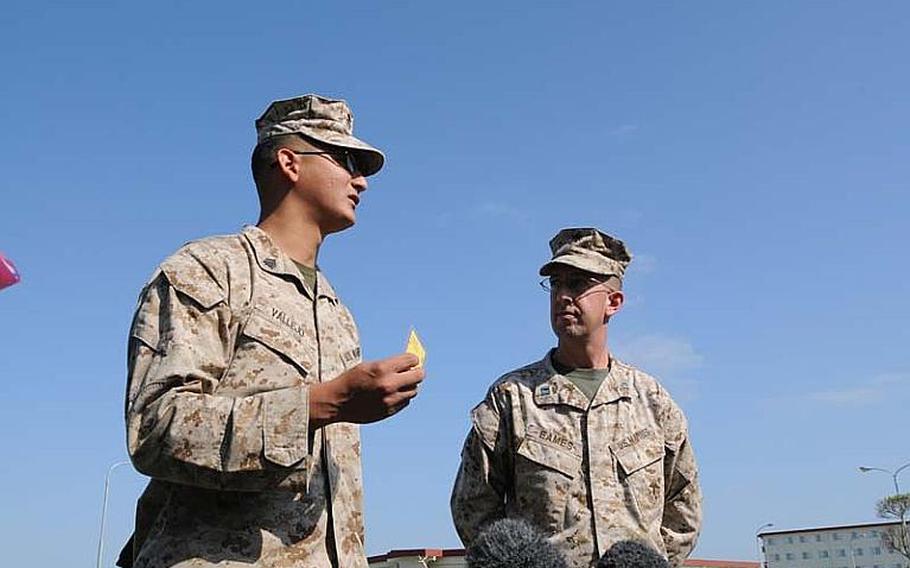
(569, 331)
(340, 225)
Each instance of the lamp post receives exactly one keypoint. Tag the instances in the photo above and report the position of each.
(897, 490)
(893, 474)
(763, 560)
(107, 487)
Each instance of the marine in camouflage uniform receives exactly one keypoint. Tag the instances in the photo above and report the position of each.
(591, 469)
(233, 342)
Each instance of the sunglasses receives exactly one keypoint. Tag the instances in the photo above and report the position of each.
(344, 158)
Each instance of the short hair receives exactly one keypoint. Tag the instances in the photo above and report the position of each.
(266, 152)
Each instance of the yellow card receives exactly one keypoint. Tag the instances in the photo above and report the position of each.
(416, 347)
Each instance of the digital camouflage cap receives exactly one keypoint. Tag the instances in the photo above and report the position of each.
(325, 120)
(590, 250)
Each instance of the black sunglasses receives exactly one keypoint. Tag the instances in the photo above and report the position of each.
(347, 160)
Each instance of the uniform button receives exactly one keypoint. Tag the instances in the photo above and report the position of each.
(270, 262)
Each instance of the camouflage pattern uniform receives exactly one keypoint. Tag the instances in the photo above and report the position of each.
(588, 472)
(224, 345)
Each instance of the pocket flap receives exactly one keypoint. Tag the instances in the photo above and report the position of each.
(647, 449)
(285, 426)
(189, 277)
(279, 338)
(548, 456)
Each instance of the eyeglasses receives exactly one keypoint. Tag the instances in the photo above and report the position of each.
(344, 158)
(573, 285)
(347, 162)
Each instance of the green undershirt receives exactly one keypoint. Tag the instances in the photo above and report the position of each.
(587, 380)
(308, 273)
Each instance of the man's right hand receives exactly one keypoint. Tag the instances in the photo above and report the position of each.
(369, 392)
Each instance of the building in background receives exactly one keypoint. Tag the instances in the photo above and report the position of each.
(843, 546)
(454, 558)
(702, 563)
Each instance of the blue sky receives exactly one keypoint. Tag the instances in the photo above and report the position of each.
(754, 156)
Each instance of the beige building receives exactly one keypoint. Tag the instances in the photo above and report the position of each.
(420, 558)
(454, 558)
(842, 546)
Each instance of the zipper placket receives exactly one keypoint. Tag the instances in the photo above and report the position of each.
(330, 513)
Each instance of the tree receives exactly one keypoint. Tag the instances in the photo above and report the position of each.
(897, 507)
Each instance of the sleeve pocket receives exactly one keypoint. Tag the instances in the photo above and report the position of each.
(485, 421)
(190, 278)
(285, 426)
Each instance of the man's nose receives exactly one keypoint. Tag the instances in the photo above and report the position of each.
(562, 296)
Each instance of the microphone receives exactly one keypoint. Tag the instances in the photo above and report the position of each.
(632, 554)
(513, 543)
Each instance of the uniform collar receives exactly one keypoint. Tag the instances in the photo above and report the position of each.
(273, 260)
(558, 389)
(616, 385)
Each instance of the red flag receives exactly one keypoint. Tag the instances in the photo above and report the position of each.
(8, 274)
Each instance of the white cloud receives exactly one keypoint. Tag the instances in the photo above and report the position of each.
(861, 395)
(625, 218)
(662, 353)
(623, 129)
(643, 264)
(502, 211)
(668, 358)
(871, 391)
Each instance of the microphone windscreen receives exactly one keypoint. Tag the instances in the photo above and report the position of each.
(632, 554)
(513, 543)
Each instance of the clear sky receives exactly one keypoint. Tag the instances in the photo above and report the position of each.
(754, 156)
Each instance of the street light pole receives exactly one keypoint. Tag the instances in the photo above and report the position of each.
(763, 560)
(893, 474)
(107, 487)
(897, 491)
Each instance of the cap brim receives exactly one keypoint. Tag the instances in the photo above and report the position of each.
(578, 264)
(368, 158)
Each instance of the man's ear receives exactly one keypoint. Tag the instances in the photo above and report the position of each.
(287, 163)
(615, 300)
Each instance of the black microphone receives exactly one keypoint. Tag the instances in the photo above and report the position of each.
(513, 543)
(632, 554)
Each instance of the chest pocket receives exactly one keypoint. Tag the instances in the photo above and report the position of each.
(270, 354)
(544, 480)
(338, 338)
(640, 469)
(549, 457)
